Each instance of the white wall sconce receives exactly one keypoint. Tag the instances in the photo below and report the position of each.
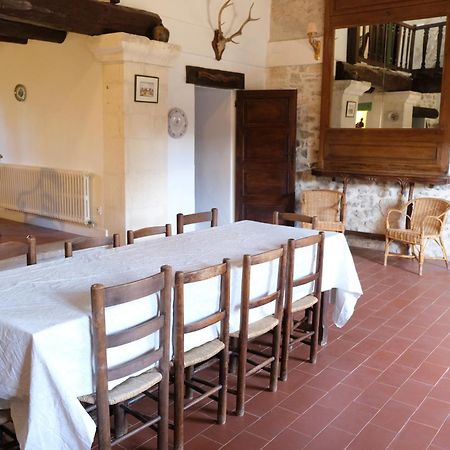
(311, 32)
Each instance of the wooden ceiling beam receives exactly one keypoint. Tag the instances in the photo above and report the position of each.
(90, 17)
(13, 40)
(25, 31)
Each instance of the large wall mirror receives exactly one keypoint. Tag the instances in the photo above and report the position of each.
(385, 90)
(389, 75)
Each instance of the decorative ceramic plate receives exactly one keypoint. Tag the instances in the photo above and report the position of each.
(177, 123)
(20, 92)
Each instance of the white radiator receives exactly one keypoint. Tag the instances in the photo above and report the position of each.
(55, 193)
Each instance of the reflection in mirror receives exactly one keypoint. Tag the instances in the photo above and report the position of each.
(389, 75)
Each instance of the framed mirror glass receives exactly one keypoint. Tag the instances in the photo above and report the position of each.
(389, 75)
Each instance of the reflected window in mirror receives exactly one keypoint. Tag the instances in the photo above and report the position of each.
(392, 72)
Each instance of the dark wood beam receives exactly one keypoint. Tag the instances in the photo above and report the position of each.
(13, 40)
(24, 31)
(386, 79)
(90, 17)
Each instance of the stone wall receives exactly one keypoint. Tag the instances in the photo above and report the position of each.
(367, 201)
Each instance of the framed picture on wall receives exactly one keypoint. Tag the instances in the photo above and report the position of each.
(146, 89)
(350, 110)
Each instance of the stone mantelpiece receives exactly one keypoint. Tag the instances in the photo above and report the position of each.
(135, 170)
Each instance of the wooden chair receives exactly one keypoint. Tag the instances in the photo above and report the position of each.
(7, 437)
(286, 218)
(121, 398)
(328, 206)
(426, 219)
(248, 332)
(10, 249)
(187, 364)
(89, 242)
(148, 231)
(188, 219)
(304, 329)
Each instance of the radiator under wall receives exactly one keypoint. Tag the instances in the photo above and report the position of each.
(55, 193)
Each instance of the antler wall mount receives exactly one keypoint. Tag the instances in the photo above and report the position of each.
(220, 40)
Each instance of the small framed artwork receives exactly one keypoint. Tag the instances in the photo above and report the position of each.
(350, 110)
(146, 89)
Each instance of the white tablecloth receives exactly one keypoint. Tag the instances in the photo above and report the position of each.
(45, 340)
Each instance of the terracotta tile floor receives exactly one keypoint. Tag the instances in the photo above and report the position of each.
(382, 382)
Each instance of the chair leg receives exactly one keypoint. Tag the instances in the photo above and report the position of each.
(223, 380)
(285, 341)
(276, 358)
(120, 421)
(233, 355)
(444, 251)
(421, 257)
(386, 250)
(163, 411)
(315, 336)
(241, 374)
(188, 376)
(179, 409)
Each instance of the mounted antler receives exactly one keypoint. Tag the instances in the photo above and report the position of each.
(219, 41)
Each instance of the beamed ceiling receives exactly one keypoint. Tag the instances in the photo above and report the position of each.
(51, 20)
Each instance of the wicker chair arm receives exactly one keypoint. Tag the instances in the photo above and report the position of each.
(397, 211)
(432, 219)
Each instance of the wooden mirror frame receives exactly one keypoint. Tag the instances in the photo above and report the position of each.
(415, 154)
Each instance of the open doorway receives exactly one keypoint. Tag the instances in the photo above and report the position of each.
(214, 151)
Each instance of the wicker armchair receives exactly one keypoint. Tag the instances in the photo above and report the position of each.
(427, 220)
(328, 206)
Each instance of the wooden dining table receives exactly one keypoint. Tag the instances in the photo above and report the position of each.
(45, 333)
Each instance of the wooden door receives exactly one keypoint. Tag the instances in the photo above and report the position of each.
(265, 153)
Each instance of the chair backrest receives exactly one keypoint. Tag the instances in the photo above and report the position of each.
(286, 218)
(315, 275)
(326, 204)
(83, 243)
(276, 296)
(188, 219)
(10, 249)
(148, 231)
(221, 315)
(103, 298)
(429, 206)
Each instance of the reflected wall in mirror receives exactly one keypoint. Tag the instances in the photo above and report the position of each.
(392, 71)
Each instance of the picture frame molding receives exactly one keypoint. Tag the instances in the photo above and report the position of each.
(350, 109)
(140, 94)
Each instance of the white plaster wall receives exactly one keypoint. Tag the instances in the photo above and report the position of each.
(60, 125)
(64, 86)
(214, 152)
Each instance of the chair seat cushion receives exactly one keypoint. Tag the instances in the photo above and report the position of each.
(4, 416)
(259, 327)
(203, 352)
(129, 388)
(304, 303)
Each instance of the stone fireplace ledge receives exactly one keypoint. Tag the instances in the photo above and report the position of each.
(123, 47)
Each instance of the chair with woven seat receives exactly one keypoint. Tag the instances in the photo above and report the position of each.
(327, 205)
(10, 249)
(426, 217)
(188, 364)
(189, 219)
(8, 439)
(287, 218)
(148, 231)
(306, 328)
(122, 398)
(90, 242)
(251, 331)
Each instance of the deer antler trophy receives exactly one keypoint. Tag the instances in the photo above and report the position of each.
(219, 41)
